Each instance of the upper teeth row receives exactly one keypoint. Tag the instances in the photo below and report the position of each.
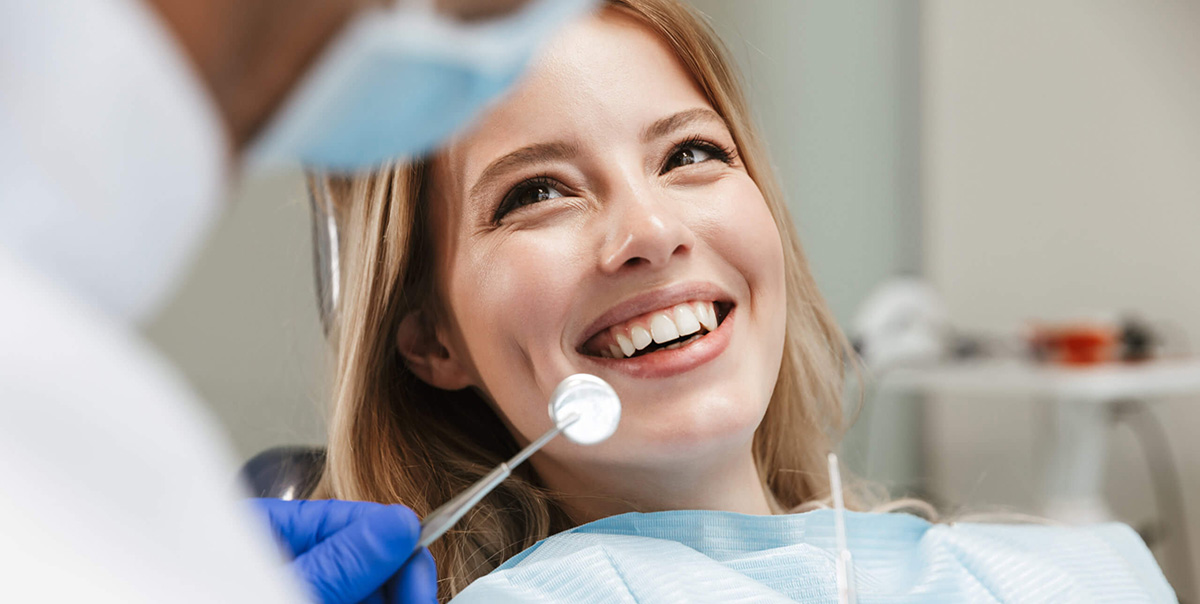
(660, 326)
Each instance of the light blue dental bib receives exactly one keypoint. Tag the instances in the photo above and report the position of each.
(704, 556)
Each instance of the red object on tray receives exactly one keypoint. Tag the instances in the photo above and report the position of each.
(1078, 344)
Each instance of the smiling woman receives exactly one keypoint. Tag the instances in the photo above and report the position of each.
(615, 215)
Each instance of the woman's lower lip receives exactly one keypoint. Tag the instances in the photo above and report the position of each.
(666, 363)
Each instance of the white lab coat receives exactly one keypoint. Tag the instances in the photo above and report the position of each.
(115, 486)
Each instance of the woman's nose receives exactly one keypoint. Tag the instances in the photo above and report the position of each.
(647, 230)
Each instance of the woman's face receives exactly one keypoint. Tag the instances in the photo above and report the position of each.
(600, 220)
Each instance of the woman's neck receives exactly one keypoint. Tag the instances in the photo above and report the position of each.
(729, 483)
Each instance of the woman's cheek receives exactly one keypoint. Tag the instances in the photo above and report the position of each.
(746, 232)
(535, 279)
(513, 301)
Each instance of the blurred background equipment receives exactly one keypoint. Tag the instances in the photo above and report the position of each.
(1088, 374)
(901, 323)
(1081, 344)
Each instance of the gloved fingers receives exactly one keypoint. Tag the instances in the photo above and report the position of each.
(352, 563)
(416, 583)
(379, 596)
(301, 524)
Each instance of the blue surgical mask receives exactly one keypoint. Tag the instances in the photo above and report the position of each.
(705, 556)
(400, 80)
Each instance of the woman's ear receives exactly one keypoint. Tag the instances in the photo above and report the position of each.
(427, 356)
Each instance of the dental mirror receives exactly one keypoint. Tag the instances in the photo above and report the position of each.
(594, 402)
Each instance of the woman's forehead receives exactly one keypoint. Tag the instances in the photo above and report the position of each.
(603, 79)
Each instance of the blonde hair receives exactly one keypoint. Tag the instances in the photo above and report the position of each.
(394, 439)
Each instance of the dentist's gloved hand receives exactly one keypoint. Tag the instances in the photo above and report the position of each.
(350, 552)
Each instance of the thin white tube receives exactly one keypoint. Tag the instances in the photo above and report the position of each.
(845, 564)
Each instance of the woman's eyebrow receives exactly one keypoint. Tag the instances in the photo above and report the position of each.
(671, 123)
(530, 154)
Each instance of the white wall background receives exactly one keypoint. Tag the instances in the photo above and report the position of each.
(244, 326)
(1061, 177)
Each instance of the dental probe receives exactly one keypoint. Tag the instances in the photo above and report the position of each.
(845, 564)
(437, 523)
(584, 408)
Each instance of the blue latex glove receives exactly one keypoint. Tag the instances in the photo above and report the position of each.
(351, 552)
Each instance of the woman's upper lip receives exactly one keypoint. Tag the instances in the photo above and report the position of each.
(664, 297)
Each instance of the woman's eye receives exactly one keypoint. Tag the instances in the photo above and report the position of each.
(692, 153)
(536, 193)
(526, 194)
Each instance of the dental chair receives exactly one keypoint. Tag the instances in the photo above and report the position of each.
(285, 472)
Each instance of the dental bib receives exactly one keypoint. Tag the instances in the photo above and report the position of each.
(707, 556)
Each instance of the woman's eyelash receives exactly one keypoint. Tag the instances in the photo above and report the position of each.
(515, 198)
(718, 152)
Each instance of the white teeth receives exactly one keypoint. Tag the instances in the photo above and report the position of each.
(663, 328)
(682, 320)
(641, 337)
(685, 320)
(680, 344)
(706, 314)
(626, 345)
